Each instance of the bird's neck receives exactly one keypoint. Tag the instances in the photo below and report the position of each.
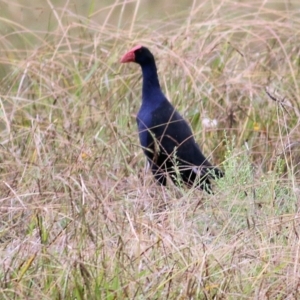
(150, 81)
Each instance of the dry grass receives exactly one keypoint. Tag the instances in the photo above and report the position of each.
(80, 216)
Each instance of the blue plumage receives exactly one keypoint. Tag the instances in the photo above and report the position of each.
(165, 136)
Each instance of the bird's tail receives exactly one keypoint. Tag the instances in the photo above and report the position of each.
(209, 171)
(215, 172)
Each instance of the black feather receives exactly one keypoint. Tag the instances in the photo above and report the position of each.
(166, 138)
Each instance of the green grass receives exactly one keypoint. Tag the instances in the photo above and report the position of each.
(81, 217)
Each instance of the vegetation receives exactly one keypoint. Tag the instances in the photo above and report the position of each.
(81, 217)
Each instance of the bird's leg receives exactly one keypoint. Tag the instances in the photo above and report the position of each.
(159, 174)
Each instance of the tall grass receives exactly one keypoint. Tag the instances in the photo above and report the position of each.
(81, 216)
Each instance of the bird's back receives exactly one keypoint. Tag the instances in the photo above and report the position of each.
(172, 133)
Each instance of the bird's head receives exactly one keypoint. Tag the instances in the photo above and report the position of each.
(139, 54)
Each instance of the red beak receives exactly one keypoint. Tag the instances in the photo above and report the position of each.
(130, 56)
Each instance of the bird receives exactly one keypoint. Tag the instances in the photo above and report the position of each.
(166, 138)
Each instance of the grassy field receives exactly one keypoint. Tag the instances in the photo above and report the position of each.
(81, 217)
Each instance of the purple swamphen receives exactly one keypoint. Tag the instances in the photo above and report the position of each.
(166, 138)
